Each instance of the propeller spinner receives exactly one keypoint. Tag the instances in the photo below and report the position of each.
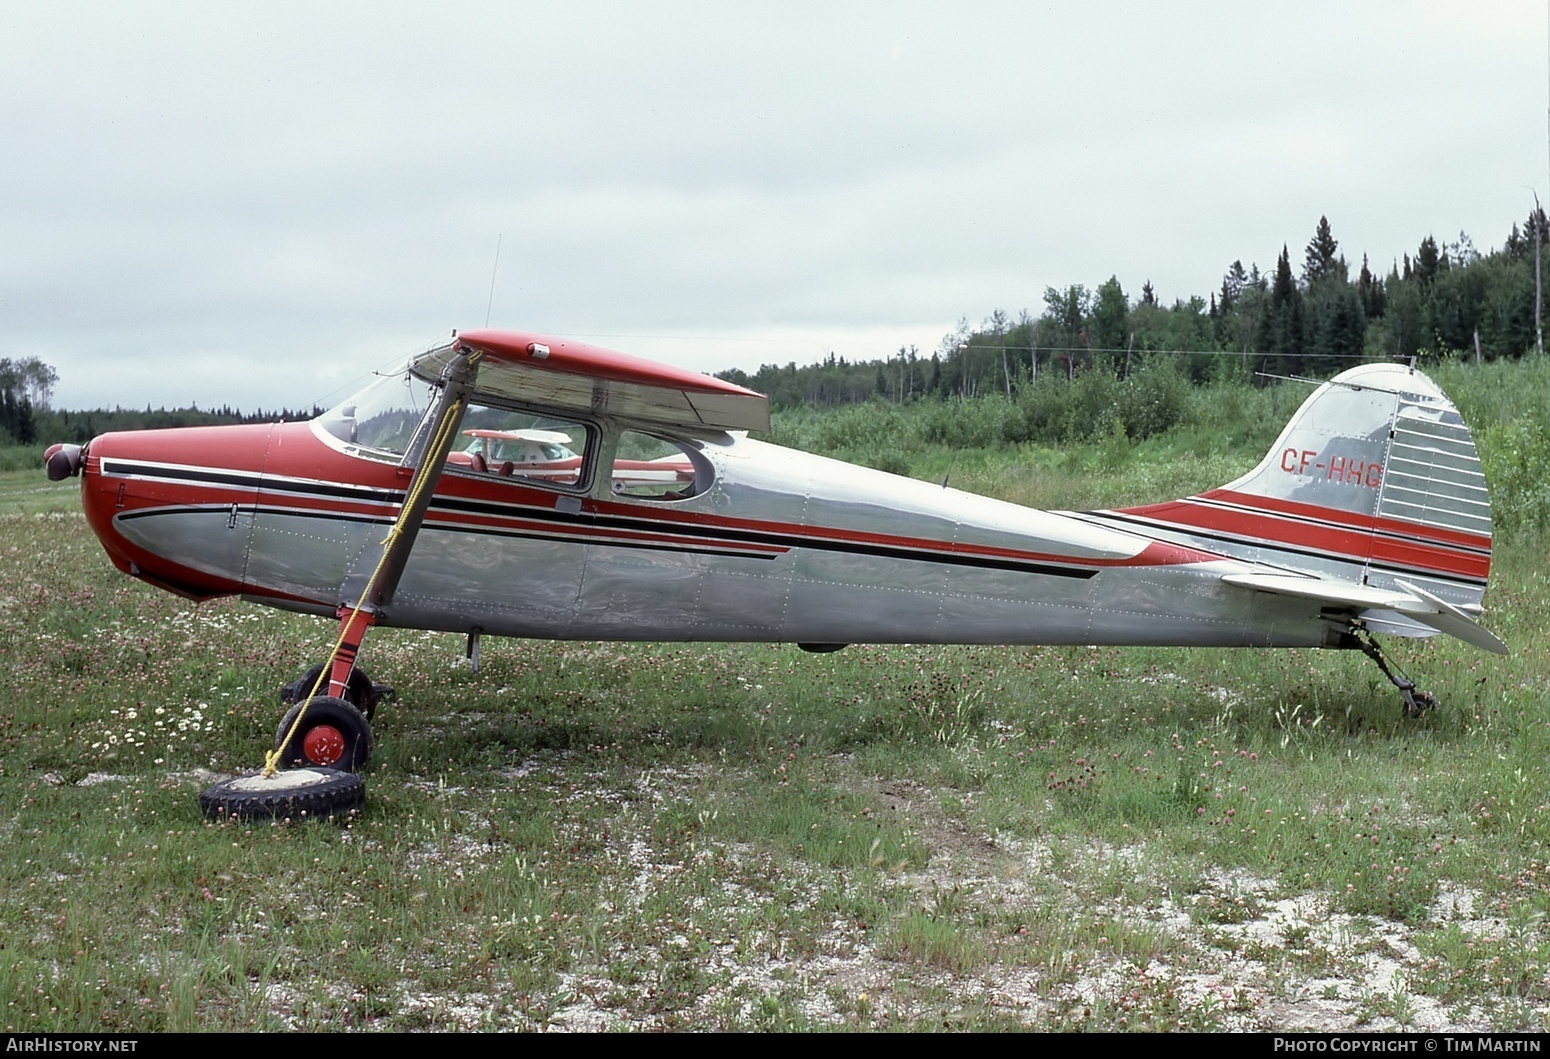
(62, 461)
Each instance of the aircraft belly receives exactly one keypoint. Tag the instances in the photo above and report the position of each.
(814, 596)
(1169, 606)
(740, 603)
(840, 598)
(1183, 606)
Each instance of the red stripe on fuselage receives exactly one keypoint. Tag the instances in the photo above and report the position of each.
(1396, 526)
(543, 527)
(1153, 553)
(1337, 533)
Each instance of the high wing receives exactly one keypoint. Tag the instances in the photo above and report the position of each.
(562, 374)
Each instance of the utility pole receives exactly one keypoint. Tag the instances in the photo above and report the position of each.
(1539, 301)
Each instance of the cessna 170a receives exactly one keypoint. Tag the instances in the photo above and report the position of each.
(524, 485)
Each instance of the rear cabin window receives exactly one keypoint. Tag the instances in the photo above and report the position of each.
(647, 467)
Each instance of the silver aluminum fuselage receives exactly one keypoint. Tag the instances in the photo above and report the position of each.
(785, 546)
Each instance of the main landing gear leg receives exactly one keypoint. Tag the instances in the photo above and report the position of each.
(331, 729)
(353, 624)
(1415, 701)
(363, 693)
(327, 736)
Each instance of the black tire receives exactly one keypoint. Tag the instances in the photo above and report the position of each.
(294, 794)
(332, 735)
(360, 691)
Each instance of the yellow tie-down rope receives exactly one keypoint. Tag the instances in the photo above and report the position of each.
(272, 758)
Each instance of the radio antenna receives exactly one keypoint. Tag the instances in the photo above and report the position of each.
(489, 304)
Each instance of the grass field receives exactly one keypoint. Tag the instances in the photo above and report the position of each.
(591, 836)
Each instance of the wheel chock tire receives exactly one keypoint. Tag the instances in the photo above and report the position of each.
(290, 794)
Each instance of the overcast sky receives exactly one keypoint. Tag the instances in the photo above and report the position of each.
(257, 204)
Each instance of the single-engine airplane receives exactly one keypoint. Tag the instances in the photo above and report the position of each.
(534, 486)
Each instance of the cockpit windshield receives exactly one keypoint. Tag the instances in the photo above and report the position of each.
(383, 417)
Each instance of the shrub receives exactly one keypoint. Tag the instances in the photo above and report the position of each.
(1516, 459)
(21, 458)
(1153, 399)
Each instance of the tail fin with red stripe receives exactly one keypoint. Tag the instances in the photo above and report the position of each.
(1374, 484)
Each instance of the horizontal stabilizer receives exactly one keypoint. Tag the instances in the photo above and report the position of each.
(1339, 593)
(1414, 603)
(1449, 619)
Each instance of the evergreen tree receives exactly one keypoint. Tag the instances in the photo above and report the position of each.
(1241, 310)
(1427, 261)
(1320, 257)
(1111, 316)
(1369, 290)
(1280, 343)
(1336, 327)
(1402, 328)
(1233, 283)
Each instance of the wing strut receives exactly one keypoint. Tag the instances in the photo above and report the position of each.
(374, 576)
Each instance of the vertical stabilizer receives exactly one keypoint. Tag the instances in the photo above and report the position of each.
(1374, 481)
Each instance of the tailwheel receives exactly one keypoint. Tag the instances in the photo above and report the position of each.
(1413, 701)
(293, 794)
(332, 734)
(1417, 701)
(361, 692)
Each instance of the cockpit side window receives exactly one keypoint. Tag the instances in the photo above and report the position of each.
(647, 467)
(522, 446)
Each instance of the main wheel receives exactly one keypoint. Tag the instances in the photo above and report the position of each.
(359, 692)
(292, 794)
(333, 734)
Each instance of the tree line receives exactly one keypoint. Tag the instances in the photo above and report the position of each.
(1310, 320)
(26, 385)
(1447, 298)
(26, 418)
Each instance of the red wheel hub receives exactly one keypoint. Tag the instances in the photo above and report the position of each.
(323, 745)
